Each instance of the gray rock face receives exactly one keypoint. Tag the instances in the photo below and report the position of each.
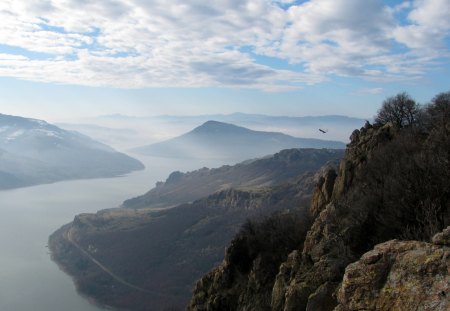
(332, 242)
(399, 275)
(322, 194)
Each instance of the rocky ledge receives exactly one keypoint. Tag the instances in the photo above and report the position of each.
(399, 275)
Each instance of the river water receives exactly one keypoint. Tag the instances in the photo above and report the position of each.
(29, 280)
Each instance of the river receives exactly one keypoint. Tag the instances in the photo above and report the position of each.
(29, 280)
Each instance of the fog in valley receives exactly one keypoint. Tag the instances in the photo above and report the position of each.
(126, 132)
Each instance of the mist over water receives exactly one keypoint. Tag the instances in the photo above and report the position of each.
(29, 280)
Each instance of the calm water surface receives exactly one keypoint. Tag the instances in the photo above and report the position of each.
(29, 280)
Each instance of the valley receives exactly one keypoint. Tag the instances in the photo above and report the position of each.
(153, 256)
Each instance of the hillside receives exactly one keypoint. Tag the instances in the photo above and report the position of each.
(391, 184)
(273, 170)
(33, 152)
(161, 253)
(227, 141)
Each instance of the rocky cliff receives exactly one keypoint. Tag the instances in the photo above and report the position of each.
(391, 184)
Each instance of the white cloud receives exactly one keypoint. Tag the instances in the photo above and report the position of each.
(400, 7)
(430, 24)
(152, 43)
(10, 57)
(376, 90)
(338, 36)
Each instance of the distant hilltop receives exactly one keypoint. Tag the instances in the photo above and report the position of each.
(214, 139)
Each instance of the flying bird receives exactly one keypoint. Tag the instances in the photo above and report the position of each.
(323, 131)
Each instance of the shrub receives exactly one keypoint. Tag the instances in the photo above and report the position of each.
(271, 238)
(407, 179)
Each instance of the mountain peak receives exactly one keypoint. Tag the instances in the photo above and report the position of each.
(16, 121)
(214, 139)
(216, 126)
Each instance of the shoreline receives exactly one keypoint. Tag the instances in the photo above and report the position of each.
(61, 234)
(96, 283)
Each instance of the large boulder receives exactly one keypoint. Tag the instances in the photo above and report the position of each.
(399, 275)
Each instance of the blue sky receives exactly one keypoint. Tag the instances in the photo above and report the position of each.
(64, 59)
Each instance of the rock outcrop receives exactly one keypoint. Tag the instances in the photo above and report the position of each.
(399, 275)
(336, 238)
(322, 194)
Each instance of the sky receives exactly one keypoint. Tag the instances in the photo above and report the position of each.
(67, 59)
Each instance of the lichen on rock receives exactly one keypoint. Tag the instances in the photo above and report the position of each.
(399, 275)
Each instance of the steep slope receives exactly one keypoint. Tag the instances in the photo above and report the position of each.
(161, 253)
(227, 141)
(187, 187)
(33, 151)
(392, 183)
(18, 171)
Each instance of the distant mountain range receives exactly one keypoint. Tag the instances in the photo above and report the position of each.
(220, 140)
(34, 152)
(111, 129)
(245, 118)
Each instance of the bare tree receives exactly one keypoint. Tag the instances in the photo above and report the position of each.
(400, 109)
(439, 110)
